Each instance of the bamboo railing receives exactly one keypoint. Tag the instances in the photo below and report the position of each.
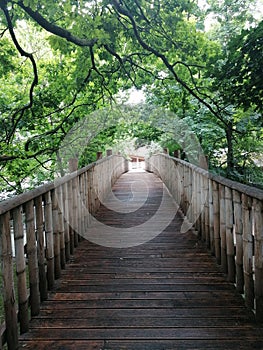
(227, 215)
(39, 230)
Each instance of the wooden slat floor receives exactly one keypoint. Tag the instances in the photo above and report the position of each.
(165, 294)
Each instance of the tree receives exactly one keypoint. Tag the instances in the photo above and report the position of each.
(95, 48)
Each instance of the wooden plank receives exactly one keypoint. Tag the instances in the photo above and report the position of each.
(144, 345)
(219, 333)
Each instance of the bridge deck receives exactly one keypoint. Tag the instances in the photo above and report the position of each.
(167, 293)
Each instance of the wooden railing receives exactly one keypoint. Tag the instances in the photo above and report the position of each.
(227, 215)
(39, 231)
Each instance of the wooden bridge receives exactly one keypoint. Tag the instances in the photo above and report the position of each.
(145, 266)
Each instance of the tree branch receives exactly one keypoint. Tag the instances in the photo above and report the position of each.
(119, 8)
(54, 29)
(3, 6)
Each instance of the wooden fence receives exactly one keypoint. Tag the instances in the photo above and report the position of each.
(39, 230)
(227, 215)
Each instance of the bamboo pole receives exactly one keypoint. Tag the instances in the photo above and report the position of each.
(203, 215)
(230, 248)
(70, 216)
(49, 240)
(211, 217)
(66, 221)
(87, 215)
(8, 282)
(216, 213)
(17, 215)
(75, 210)
(41, 248)
(206, 212)
(57, 260)
(199, 205)
(258, 205)
(32, 258)
(83, 203)
(248, 245)
(61, 232)
(223, 227)
(239, 241)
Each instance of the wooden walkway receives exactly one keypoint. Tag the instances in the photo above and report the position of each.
(165, 294)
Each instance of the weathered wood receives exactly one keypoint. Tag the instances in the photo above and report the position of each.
(223, 227)
(45, 238)
(61, 231)
(66, 207)
(239, 241)
(230, 247)
(203, 212)
(216, 222)
(49, 240)
(75, 202)
(258, 220)
(55, 224)
(206, 213)
(41, 248)
(19, 238)
(227, 216)
(8, 282)
(211, 217)
(248, 242)
(32, 258)
(165, 294)
(70, 216)
(14, 202)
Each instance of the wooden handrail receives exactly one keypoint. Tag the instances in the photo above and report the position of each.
(46, 224)
(227, 215)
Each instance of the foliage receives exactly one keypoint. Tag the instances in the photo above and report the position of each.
(241, 73)
(62, 61)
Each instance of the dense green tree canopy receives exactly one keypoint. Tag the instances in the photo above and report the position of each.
(63, 60)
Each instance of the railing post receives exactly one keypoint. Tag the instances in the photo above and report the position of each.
(177, 153)
(41, 248)
(258, 219)
(61, 232)
(99, 155)
(203, 213)
(32, 258)
(229, 236)
(73, 164)
(216, 212)
(206, 212)
(75, 210)
(17, 215)
(66, 221)
(239, 241)
(223, 227)
(8, 283)
(248, 250)
(199, 204)
(211, 217)
(49, 240)
(70, 215)
(57, 261)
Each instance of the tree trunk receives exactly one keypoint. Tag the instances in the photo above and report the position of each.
(230, 151)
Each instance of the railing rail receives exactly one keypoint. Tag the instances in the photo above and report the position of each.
(227, 215)
(39, 230)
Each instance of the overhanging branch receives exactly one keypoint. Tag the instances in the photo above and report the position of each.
(54, 29)
(20, 112)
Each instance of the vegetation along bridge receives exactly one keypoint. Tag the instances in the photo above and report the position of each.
(161, 267)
